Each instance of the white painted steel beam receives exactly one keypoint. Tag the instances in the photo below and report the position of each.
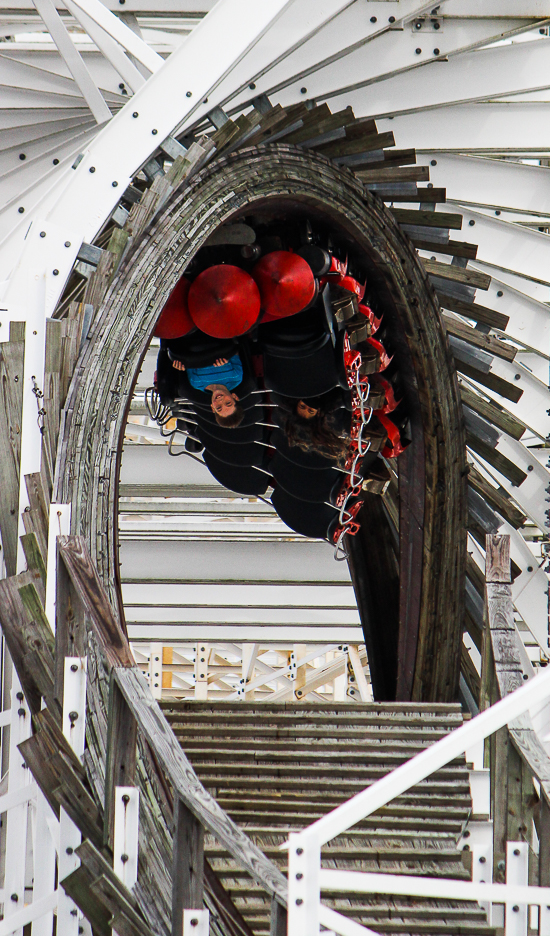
(472, 76)
(393, 60)
(483, 128)
(264, 634)
(73, 60)
(263, 595)
(473, 180)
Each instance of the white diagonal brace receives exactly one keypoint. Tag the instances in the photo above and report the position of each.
(121, 33)
(111, 49)
(73, 60)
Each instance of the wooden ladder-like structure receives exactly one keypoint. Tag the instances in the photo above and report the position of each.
(275, 768)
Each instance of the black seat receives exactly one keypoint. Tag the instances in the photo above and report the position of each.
(199, 350)
(298, 374)
(241, 480)
(247, 454)
(238, 436)
(296, 455)
(309, 519)
(304, 484)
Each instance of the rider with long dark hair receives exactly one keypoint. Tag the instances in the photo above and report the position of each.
(321, 424)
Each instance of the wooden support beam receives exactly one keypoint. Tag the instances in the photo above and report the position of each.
(279, 915)
(493, 412)
(452, 248)
(88, 587)
(476, 338)
(120, 767)
(474, 311)
(70, 625)
(503, 387)
(11, 406)
(33, 555)
(440, 219)
(495, 458)
(187, 865)
(29, 644)
(457, 274)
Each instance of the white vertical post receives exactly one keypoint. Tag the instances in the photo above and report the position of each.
(17, 818)
(202, 653)
(126, 830)
(44, 850)
(59, 525)
(341, 682)
(304, 895)
(249, 656)
(155, 670)
(517, 872)
(482, 871)
(74, 723)
(359, 673)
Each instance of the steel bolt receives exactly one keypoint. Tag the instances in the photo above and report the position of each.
(67, 243)
(42, 233)
(433, 162)
(482, 860)
(21, 210)
(69, 850)
(391, 19)
(436, 51)
(74, 912)
(73, 716)
(303, 90)
(135, 114)
(74, 668)
(500, 294)
(471, 222)
(19, 696)
(252, 86)
(91, 169)
(55, 162)
(299, 901)
(516, 851)
(188, 94)
(125, 799)
(418, 51)
(299, 876)
(14, 897)
(55, 272)
(22, 712)
(299, 851)
(194, 922)
(154, 132)
(124, 858)
(114, 184)
(373, 19)
(22, 156)
(515, 909)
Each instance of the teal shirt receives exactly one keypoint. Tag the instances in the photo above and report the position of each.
(230, 375)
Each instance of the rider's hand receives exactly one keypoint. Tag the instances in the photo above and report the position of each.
(220, 362)
(178, 365)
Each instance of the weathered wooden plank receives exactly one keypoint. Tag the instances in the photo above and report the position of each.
(395, 174)
(364, 143)
(24, 639)
(279, 915)
(125, 920)
(33, 555)
(452, 248)
(497, 498)
(113, 642)
(457, 274)
(503, 387)
(473, 310)
(11, 404)
(495, 458)
(120, 765)
(476, 338)
(187, 865)
(236, 924)
(188, 787)
(439, 219)
(493, 412)
(544, 843)
(78, 886)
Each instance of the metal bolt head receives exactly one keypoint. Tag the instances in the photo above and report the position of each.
(19, 696)
(73, 716)
(471, 222)
(299, 901)
(124, 858)
(391, 19)
(74, 912)
(501, 865)
(303, 90)
(42, 233)
(436, 51)
(21, 209)
(482, 860)
(114, 184)
(91, 169)
(14, 897)
(299, 851)
(188, 94)
(69, 850)
(135, 114)
(55, 272)
(515, 909)
(125, 799)
(22, 712)
(516, 851)
(55, 162)
(299, 876)
(373, 19)
(67, 243)
(154, 132)
(500, 293)
(194, 922)
(74, 668)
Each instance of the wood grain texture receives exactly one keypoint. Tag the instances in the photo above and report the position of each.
(11, 405)
(497, 559)
(120, 767)
(187, 865)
